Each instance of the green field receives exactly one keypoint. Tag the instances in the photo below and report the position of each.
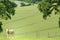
(29, 25)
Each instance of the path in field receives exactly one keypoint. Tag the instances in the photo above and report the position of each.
(28, 22)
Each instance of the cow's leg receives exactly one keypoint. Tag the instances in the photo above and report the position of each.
(7, 35)
(13, 36)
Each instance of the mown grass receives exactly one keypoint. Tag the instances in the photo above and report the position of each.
(29, 25)
(18, 38)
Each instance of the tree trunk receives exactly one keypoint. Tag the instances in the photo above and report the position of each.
(59, 22)
(1, 27)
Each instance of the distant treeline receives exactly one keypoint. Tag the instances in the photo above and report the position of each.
(31, 1)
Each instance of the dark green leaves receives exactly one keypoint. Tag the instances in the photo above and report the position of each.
(48, 6)
(45, 8)
(59, 22)
(1, 27)
(7, 9)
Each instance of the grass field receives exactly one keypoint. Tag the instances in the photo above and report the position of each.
(29, 25)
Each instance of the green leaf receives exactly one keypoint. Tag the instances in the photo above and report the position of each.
(9, 16)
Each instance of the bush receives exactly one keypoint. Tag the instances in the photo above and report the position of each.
(23, 4)
(14, 4)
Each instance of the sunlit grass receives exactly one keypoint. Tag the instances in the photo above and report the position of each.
(18, 38)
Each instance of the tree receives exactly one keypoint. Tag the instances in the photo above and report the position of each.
(30, 1)
(6, 10)
(48, 6)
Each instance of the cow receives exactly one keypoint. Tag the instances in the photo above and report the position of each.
(9, 32)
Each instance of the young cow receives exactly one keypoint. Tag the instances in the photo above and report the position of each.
(9, 32)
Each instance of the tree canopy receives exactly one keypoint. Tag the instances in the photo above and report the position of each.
(6, 10)
(30, 1)
(48, 6)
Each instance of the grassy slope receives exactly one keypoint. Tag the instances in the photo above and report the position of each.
(28, 23)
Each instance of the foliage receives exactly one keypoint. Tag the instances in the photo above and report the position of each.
(25, 4)
(6, 10)
(44, 7)
(22, 4)
(30, 1)
(1, 27)
(48, 6)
